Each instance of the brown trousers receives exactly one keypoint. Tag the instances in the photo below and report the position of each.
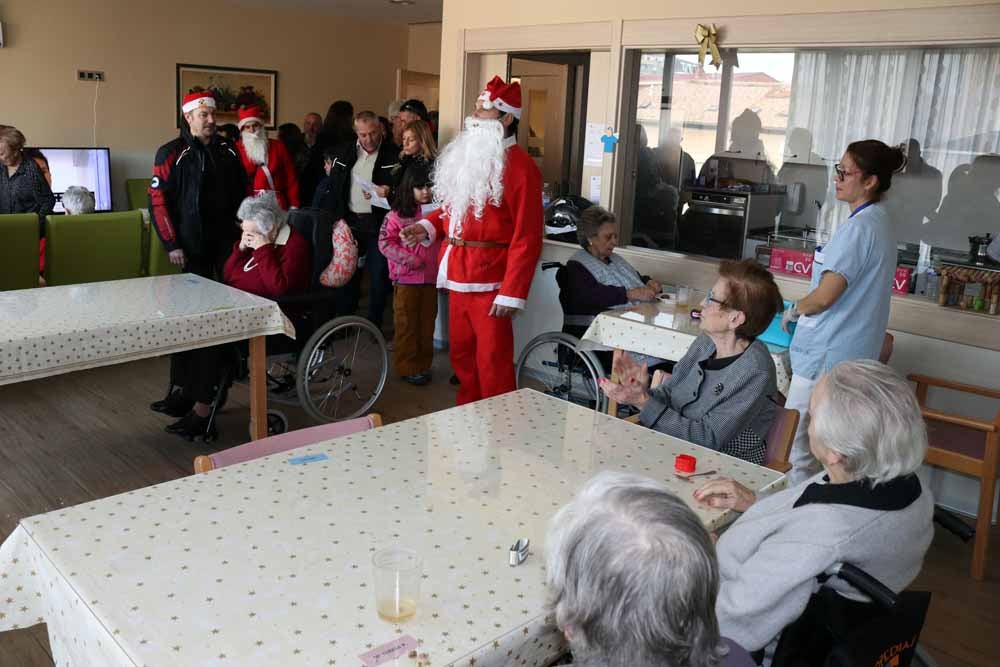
(414, 309)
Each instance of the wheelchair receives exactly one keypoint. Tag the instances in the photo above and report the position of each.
(835, 631)
(340, 370)
(554, 364)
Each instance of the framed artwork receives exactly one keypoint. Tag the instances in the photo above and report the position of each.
(233, 87)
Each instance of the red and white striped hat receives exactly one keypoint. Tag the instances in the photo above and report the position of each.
(202, 98)
(503, 96)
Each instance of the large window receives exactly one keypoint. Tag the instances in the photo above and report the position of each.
(732, 162)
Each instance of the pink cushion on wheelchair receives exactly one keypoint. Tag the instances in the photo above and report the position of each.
(285, 441)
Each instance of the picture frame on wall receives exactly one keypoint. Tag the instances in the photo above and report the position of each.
(232, 87)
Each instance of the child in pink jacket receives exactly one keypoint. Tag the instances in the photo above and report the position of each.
(413, 271)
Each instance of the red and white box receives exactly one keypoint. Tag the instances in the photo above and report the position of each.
(794, 262)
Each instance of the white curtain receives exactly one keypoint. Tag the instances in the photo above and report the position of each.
(947, 100)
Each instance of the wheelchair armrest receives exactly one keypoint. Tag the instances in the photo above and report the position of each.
(869, 585)
(550, 265)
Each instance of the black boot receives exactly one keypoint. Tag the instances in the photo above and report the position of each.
(174, 405)
(191, 426)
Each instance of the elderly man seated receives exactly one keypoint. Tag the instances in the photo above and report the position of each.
(720, 394)
(78, 200)
(633, 578)
(866, 508)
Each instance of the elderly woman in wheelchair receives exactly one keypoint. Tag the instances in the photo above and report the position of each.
(866, 508)
(271, 259)
(721, 394)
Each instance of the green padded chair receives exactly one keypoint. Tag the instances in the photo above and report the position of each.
(19, 251)
(137, 190)
(91, 248)
(155, 260)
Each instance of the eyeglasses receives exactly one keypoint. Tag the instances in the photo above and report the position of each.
(843, 173)
(711, 299)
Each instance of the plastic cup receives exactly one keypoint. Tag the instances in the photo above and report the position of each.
(397, 573)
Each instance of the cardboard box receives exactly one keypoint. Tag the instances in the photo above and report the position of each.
(794, 262)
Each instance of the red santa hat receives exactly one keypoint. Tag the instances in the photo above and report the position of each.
(503, 96)
(202, 98)
(248, 114)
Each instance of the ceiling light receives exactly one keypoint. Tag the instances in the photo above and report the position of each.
(402, 3)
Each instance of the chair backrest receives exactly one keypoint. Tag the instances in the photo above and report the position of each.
(137, 191)
(316, 226)
(886, 352)
(283, 442)
(93, 247)
(780, 437)
(19, 251)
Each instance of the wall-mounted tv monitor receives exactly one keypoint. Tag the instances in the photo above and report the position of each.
(89, 167)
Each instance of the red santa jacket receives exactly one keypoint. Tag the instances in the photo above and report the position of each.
(279, 163)
(272, 270)
(517, 224)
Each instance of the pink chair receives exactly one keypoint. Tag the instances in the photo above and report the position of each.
(285, 441)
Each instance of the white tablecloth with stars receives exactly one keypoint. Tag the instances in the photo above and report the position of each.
(664, 331)
(269, 562)
(52, 330)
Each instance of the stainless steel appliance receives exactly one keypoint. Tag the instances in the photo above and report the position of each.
(716, 221)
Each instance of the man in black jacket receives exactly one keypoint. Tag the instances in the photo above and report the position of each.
(371, 158)
(197, 186)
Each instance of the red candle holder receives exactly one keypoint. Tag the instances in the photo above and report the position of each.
(685, 463)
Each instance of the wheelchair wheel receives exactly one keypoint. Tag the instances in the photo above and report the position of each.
(342, 369)
(553, 364)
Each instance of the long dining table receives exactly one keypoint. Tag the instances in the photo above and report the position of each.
(52, 330)
(268, 562)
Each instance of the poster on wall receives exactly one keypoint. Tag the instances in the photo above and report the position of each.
(232, 87)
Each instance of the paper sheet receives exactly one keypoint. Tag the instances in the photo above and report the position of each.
(593, 148)
(595, 190)
(427, 209)
(372, 189)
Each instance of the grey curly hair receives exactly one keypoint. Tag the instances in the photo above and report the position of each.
(78, 200)
(263, 210)
(633, 576)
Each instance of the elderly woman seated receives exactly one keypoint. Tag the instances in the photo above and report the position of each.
(866, 508)
(78, 200)
(720, 394)
(633, 578)
(595, 278)
(271, 260)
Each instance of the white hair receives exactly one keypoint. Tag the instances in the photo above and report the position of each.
(255, 144)
(263, 210)
(469, 171)
(78, 200)
(869, 415)
(633, 576)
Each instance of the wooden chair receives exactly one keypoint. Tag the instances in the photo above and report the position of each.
(887, 344)
(966, 445)
(283, 442)
(780, 437)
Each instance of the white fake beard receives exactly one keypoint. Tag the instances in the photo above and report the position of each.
(469, 171)
(255, 144)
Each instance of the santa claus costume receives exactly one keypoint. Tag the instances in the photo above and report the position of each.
(267, 162)
(490, 222)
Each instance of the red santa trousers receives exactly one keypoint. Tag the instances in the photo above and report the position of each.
(481, 346)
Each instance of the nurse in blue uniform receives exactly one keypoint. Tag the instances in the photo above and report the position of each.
(845, 314)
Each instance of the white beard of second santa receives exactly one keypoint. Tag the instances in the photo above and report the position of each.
(469, 171)
(255, 144)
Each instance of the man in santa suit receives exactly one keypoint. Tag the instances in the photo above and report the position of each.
(267, 162)
(490, 222)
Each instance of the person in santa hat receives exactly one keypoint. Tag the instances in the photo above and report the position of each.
(268, 165)
(196, 189)
(490, 222)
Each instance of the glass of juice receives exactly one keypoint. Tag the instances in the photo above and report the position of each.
(397, 583)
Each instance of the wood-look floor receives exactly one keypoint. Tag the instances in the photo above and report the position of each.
(78, 437)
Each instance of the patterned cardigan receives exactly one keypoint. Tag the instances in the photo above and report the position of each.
(729, 409)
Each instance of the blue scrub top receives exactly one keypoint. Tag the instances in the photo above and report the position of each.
(863, 251)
